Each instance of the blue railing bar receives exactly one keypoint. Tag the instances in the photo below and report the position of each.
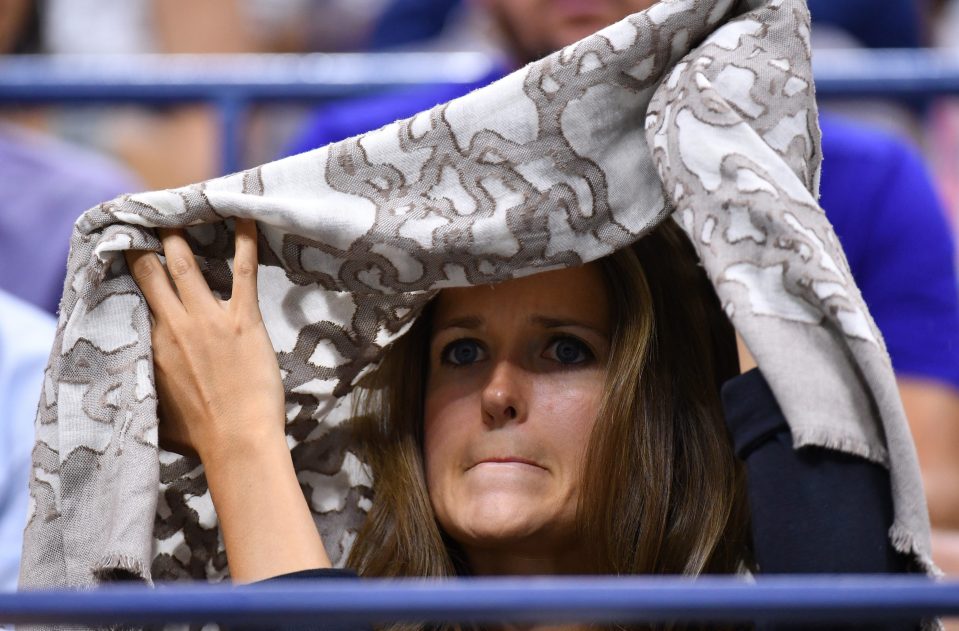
(594, 599)
(891, 73)
(182, 78)
(178, 78)
(234, 82)
(232, 114)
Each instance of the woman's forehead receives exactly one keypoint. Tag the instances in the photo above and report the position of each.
(576, 293)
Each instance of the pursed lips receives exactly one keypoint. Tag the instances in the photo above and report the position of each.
(507, 460)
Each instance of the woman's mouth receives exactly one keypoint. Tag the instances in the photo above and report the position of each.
(515, 460)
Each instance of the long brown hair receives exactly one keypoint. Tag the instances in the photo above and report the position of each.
(663, 492)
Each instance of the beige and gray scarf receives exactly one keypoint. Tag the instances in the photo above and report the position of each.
(699, 111)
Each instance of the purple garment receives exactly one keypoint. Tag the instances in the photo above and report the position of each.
(46, 185)
(880, 198)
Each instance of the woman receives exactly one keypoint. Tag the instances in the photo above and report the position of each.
(567, 422)
(531, 403)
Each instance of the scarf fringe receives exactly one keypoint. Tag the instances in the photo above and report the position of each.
(906, 542)
(828, 438)
(121, 567)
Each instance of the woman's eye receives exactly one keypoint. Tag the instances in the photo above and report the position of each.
(462, 352)
(568, 350)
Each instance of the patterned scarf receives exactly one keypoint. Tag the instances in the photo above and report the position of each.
(700, 111)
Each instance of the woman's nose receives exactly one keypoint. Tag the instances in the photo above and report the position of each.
(502, 398)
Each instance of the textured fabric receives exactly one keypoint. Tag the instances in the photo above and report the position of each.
(702, 110)
(891, 224)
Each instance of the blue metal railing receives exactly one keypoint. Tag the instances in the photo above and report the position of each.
(895, 73)
(550, 600)
(233, 83)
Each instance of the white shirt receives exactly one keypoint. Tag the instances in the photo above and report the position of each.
(26, 337)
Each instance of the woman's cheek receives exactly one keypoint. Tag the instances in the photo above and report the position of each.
(446, 427)
(572, 397)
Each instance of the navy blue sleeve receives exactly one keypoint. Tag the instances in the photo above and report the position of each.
(314, 574)
(813, 510)
(329, 572)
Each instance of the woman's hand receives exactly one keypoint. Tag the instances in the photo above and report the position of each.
(218, 382)
(220, 394)
(746, 360)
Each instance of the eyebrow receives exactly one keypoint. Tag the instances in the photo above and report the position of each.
(466, 322)
(475, 322)
(556, 323)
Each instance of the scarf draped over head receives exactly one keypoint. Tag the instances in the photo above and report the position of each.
(699, 111)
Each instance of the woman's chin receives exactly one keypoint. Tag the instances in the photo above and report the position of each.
(504, 504)
(513, 538)
(501, 518)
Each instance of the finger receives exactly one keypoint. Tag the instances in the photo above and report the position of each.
(245, 266)
(194, 293)
(148, 272)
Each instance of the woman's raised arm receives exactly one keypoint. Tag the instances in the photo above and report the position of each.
(220, 395)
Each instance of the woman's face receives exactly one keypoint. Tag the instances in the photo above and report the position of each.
(516, 374)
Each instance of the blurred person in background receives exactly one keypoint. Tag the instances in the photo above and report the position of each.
(26, 335)
(525, 30)
(166, 146)
(898, 25)
(876, 190)
(433, 25)
(880, 197)
(171, 146)
(907, 233)
(855, 25)
(942, 137)
(46, 183)
(942, 141)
